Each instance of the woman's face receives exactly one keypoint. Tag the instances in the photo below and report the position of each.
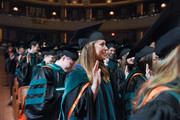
(130, 61)
(155, 60)
(100, 49)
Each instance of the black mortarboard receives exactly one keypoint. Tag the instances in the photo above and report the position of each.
(168, 42)
(70, 52)
(21, 45)
(110, 44)
(122, 50)
(88, 34)
(168, 19)
(48, 51)
(75, 46)
(145, 51)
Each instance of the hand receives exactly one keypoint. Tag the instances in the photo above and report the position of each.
(19, 58)
(148, 72)
(11, 56)
(126, 71)
(28, 58)
(106, 61)
(96, 79)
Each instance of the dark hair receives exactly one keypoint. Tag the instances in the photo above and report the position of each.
(59, 56)
(33, 43)
(142, 63)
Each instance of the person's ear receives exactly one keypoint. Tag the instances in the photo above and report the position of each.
(63, 57)
(45, 56)
(86, 46)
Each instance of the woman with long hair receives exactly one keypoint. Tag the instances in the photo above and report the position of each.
(160, 98)
(98, 100)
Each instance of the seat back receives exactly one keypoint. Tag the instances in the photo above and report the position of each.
(22, 91)
(15, 92)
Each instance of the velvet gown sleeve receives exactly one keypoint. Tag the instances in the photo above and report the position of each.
(11, 65)
(42, 99)
(164, 107)
(119, 77)
(85, 107)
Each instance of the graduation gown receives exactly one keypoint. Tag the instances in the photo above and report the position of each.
(24, 69)
(42, 100)
(37, 68)
(166, 106)
(119, 77)
(112, 64)
(129, 93)
(11, 64)
(102, 108)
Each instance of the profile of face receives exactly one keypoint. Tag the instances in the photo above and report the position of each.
(112, 52)
(44, 44)
(130, 61)
(68, 63)
(10, 50)
(155, 60)
(49, 58)
(100, 49)
(35, 48)
(21, 51)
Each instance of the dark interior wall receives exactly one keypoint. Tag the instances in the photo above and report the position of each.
(23, 35)
(56, 37)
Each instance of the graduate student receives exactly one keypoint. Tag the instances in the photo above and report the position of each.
(112, 63)
(159, 99)
(49, 56)
(135, 79)
(45, 91)
(26, 64)
(98, 100)
(11, 64)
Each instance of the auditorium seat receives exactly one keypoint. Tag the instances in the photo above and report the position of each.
(15, 92)
(19, 102)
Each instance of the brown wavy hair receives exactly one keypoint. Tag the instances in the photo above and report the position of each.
(87, 59)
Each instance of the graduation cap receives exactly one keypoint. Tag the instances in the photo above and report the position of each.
(168, 42)
(32, 40)
(71, 52)
(122, 50)
(167, 20)
(87, 34)
(21, 45)
(145, 51)
(48, 51)
(110, 44)
(75, 45)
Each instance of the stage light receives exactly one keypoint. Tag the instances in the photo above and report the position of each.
(163, 5)
(113, 34)
(54, 13)
(111, 12)
(15, 8)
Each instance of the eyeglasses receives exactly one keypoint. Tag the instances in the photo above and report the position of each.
(156, 59)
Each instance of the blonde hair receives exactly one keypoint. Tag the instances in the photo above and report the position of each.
(166, 72)
(87, 59)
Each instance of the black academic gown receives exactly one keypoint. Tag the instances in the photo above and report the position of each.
(166, 106)
(129, 92)
(37, 68)
(43, 100)
(104, 107)
(112, 64)
(119, 77)
(11, 68)
(24, 69)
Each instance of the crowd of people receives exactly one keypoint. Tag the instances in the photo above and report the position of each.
(96, 79)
